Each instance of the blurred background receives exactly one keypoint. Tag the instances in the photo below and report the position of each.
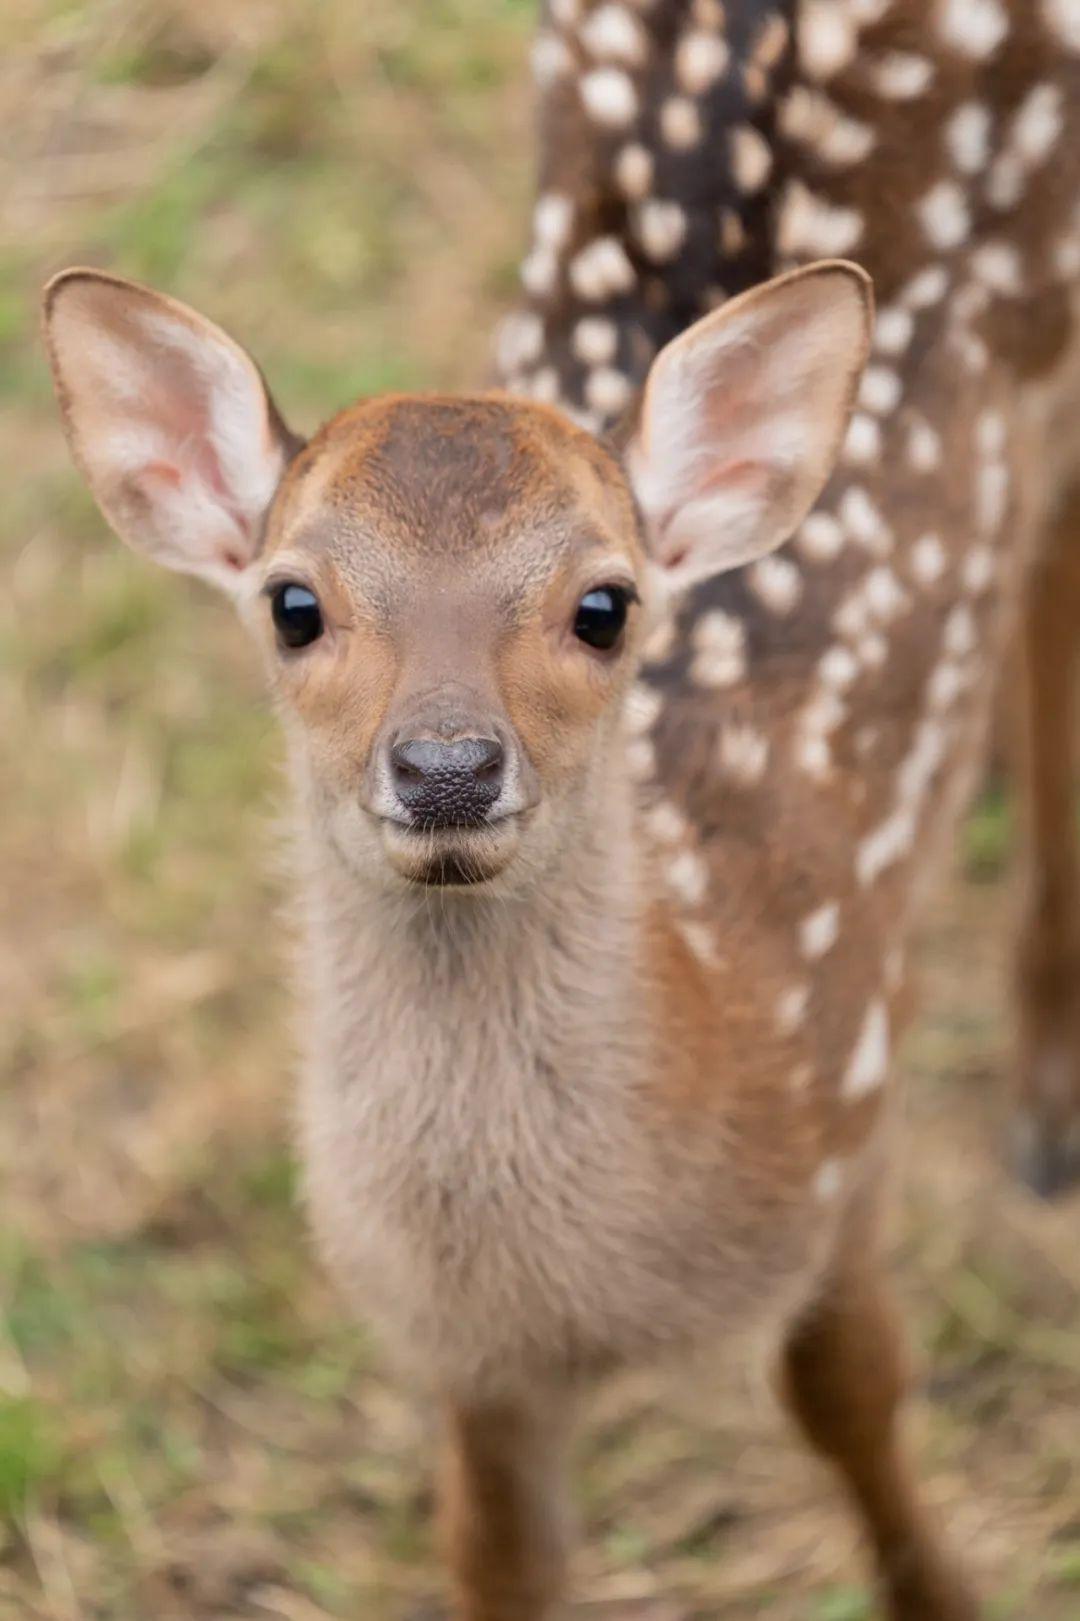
(189, 1425)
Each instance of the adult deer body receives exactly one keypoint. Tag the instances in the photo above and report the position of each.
(605, 969)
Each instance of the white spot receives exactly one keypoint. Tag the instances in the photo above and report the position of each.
(819, 932)
(862, 442)
(809, 224)
(852, 617)
(990, 434)
(991, 496)
(520, 341)
(680, 123)
(719, 641)
(997, 265)
(1037, 124)
(701, 941)
(893, 330)
(700, 59)
(751, 158)
(960, 634)
(864, 523)
(634, 171)
(642, 708)
(614, 34)
(894, 836)
(1006, 181)
(824, 712)
(1063, 18)
(540, 272)
(945, 685)
(827, 38)
(975, 28)
(968, 303)
(808, 116)
(601, 269)
(565, 12)
(928, 560)
(607, 390)
(640, 756)
(869, 1061)
(885, 596)
(661, 228)
(732, 232)
(828, 1180)
(814, 755)
(777, 583)
(838, 668)
(880, 389)
(972, 351)
(551, 59)
(553, 219)
(667, 823)
(688, 877)
(923, 446)
(744, 753)
(791, 1006)
(978, 569)
(944, 215)
(820, 538)
(595, 340)
(609, 97)
(967, 137)
(873, 650)
(926, 288)
(901, 75)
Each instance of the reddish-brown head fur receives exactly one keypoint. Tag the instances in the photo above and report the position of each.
(450, 542)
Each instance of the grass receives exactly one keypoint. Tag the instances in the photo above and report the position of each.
(188, 1425)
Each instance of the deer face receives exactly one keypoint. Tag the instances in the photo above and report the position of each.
(450, 592)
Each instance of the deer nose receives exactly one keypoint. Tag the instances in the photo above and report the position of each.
(447, 784)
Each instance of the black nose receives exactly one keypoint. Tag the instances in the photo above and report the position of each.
(447, 784)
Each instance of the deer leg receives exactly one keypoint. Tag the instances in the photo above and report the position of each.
(1047, 1119)
(503, 1517)
(844, 1378)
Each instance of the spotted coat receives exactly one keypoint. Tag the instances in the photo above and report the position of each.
(806, 726)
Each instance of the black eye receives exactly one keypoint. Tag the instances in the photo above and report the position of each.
(601, 616)
(297, 615)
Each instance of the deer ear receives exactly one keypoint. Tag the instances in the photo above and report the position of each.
(169, 421)
(743, 416)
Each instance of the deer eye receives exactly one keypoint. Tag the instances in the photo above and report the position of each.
(601, 616)
(297, 616)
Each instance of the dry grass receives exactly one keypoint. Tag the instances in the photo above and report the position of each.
(187, 1426)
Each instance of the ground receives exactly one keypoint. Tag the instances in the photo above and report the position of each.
(190, 1427)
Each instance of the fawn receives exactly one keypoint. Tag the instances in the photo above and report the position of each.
(614, 816)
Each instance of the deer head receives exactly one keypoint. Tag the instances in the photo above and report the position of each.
(450, 593)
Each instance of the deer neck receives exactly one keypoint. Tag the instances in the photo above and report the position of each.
(537, 974)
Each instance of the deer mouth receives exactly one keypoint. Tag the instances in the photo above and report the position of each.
(461, 857)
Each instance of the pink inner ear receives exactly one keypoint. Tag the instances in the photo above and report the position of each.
(179, 407)
(735, 479)
(166, 472)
